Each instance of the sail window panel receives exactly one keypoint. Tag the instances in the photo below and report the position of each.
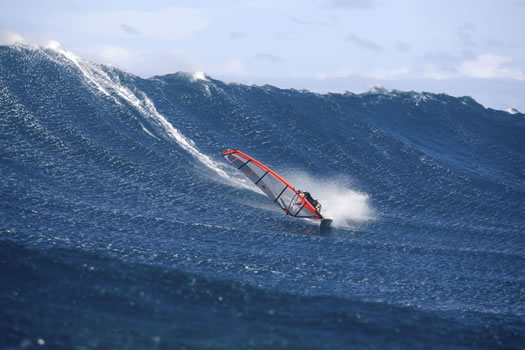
(290, 201)
(236, 160)
(253, 171)
(271, 186)
(253, 176)
(297, 207)
(304, 213)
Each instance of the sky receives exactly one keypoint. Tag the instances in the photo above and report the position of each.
(459, 47)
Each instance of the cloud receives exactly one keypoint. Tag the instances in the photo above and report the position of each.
(390, 74)
(119, 54)
(466, 33)
(232, 67)
(129, 29)
(283, 36)
(147, 63)
(441, 65)
(437, 65)
(500, 44)
(329, 21)
(268, 57)
(236, 35)
(348, 72)
(351, 4)
(440, 56)
(10, 38)
(401, 46)
(344, 72)
(341, 72)
(363, 43)
(165, 24)
(144, 62)
(435, 72)
(132, 60)
(490, 66)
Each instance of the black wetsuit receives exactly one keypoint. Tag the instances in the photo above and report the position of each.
(310, 199)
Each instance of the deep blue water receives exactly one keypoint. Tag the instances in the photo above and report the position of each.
(121, 226)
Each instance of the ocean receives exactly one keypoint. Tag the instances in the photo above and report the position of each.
(122, 226)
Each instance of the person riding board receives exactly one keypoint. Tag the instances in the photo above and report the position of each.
(311, 200)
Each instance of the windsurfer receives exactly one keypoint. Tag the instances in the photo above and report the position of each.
(309, 198)
(275, 187)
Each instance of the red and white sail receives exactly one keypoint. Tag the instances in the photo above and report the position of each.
(273, 185)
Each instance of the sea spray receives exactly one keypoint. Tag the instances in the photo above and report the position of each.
(346, 206)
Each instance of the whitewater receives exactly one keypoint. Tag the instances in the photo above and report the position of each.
(121, 225)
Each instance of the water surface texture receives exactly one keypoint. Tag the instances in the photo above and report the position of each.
(121, 225)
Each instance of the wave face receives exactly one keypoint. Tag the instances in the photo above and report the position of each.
(122, 226)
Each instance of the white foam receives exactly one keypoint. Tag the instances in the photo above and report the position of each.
(10, 38)
(199, 76)
(111, 86)
(346, 206)
(512, 110)
(87, 71)
(148, 132)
